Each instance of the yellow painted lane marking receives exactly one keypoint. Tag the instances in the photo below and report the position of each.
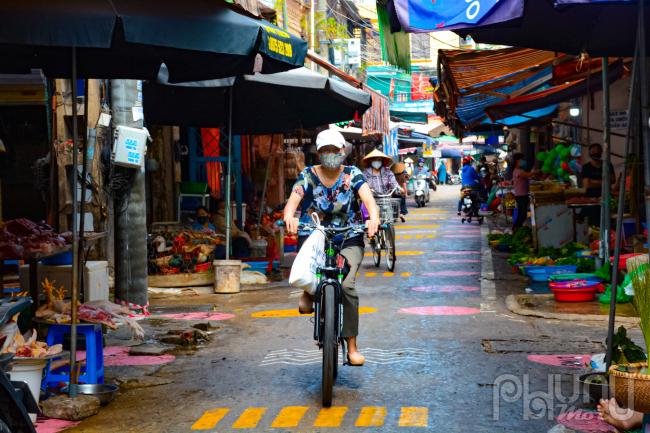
(330, 417)
(431, 236)
(388, 274)
(250, 417)
(402, 253)
(414, 417)
(371, 274)
(371, 416)
(289, 417)
(293, 312)
(418, 236)
(405, 274)
(427, 211)
(210, 419)
(420, 226)
(407, 237)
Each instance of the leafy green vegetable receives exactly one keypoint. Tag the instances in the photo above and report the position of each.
(625, 351)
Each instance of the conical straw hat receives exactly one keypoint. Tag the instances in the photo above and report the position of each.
(377, 154)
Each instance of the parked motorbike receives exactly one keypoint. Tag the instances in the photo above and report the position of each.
(453, 179)
(16, 400)
(421, 190)
(470, 206)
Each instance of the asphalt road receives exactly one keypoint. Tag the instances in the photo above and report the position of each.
(443, 354)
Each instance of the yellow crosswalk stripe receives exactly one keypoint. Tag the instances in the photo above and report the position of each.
(414, 417)
(388, 274)
(371, 416)
(407, 237)
(250, 417)
(330, 416)
(431, 236)
(398, 236)
(418, 236)
(405, 274)
(289, 416)
(421, 226)
(371, 274)
(210, 419)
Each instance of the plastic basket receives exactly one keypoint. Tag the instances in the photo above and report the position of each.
(537, 274)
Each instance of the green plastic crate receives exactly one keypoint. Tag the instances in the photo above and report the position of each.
(193, 187)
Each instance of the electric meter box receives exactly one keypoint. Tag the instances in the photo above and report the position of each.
(130, 145)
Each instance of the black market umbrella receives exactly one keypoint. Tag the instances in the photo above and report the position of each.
(263, 103)
(253, 104)
(597, 28)
(130, 39)
(196, 39)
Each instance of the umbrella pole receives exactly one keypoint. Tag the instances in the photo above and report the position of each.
(266, 182)
(75, 232)
(645, 116)
(619, 214)
(606, 187)
(228, 242)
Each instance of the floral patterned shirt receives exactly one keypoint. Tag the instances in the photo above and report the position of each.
(336, 206)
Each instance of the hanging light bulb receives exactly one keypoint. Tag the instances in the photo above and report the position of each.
(574, 111)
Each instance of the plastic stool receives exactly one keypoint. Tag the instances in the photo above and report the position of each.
(93, 371)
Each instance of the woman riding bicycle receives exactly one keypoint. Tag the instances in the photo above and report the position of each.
(380, 178)
(333, 190)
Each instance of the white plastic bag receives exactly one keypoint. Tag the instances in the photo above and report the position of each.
(310, 257)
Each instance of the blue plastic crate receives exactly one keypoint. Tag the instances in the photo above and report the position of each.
(538, 274)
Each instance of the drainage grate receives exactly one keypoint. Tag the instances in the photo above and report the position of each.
(541, 346)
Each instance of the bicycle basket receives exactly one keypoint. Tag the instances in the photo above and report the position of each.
(388, 209)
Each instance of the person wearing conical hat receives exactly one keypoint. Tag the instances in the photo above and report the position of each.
(379, 176)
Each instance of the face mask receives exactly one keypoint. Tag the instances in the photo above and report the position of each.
(331, 160)
(522, 163)
(202, 219)
(376, 164)
(421, 164)
(596, 156)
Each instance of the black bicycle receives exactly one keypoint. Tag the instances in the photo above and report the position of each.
(328, 303)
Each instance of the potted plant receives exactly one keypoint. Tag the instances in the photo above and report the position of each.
(631, 381)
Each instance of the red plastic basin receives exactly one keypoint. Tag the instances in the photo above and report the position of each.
(577, 284)
(574, 295)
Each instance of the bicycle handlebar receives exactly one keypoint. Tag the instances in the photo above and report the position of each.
(389, 195)
(358, 228)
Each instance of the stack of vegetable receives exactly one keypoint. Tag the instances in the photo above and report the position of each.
(519, 242)
(549, 256)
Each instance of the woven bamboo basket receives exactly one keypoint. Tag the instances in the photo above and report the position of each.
(631, 389)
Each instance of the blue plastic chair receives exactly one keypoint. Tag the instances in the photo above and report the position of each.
(93, 371)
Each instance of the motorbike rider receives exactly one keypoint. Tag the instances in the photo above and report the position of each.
(422, 170)
(469, 179)
(334, 190)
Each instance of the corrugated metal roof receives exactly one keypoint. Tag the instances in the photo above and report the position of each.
(467, 69)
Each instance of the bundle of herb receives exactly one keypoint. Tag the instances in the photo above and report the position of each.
(641, 284)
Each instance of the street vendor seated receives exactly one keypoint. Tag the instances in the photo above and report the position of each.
(241, 241)
(202, 220)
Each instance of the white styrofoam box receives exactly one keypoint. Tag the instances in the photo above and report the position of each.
(95, 279)
(129, 147)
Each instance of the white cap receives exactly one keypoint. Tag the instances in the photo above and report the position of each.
(330, 137)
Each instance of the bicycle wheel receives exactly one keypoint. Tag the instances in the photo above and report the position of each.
(390, 247)
(330, 344)
(376, 249)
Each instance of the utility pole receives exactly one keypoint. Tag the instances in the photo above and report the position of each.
(130, 209)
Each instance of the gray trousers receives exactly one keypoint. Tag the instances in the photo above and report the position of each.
(354, 256)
